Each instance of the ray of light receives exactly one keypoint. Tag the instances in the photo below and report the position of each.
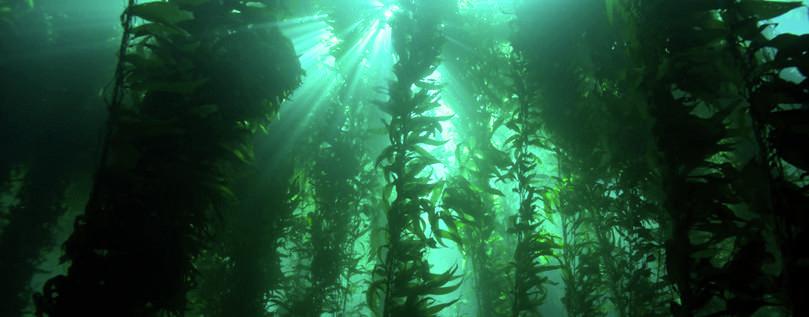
(301, 20)
(370, 55)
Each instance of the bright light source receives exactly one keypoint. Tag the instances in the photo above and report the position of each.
(390, 11)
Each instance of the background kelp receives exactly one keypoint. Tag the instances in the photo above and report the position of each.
(436, 158)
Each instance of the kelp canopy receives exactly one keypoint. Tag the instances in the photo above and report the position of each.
(404, 158)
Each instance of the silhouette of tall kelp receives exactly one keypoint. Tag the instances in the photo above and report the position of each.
(402, 277)
(653, 152)
(598, 125)
(197, 79)
(336, 178)
(483, 87)
(29, 233)
(536, 246)
(339, 173)
(774, 181)
(242, 274)
(31, 219)
(48, 125)
(706, 71)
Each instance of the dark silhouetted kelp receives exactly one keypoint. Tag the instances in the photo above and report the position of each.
(404, 158)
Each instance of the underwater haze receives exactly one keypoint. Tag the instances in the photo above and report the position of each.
(404, 158)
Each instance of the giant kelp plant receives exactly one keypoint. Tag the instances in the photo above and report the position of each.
(307, 158)
(44, 90)
(181, 111)
(403, 278)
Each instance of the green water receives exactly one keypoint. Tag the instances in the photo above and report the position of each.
(405, 158)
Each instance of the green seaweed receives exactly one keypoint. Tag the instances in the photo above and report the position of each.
(431, 158)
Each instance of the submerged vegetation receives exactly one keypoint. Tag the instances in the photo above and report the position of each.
(404, 158)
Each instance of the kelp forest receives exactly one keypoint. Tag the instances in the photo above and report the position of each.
(404, 158)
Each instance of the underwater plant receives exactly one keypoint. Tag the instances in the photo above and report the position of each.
(188, 96)
(47, 129)
(472, 194)
(330, 229)
(402, 277)
(715, 234)
(433, 158)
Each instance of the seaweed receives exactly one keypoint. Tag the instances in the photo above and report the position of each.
(520, 158)
(402, 277)
(180, 115)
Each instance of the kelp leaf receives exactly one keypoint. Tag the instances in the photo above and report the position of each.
(766, 10)
(161, 12)
(444, 290)
(386, 155)
(371, 296)
(425, 140)
(493, 191)
(435, 309)
(425, 155)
